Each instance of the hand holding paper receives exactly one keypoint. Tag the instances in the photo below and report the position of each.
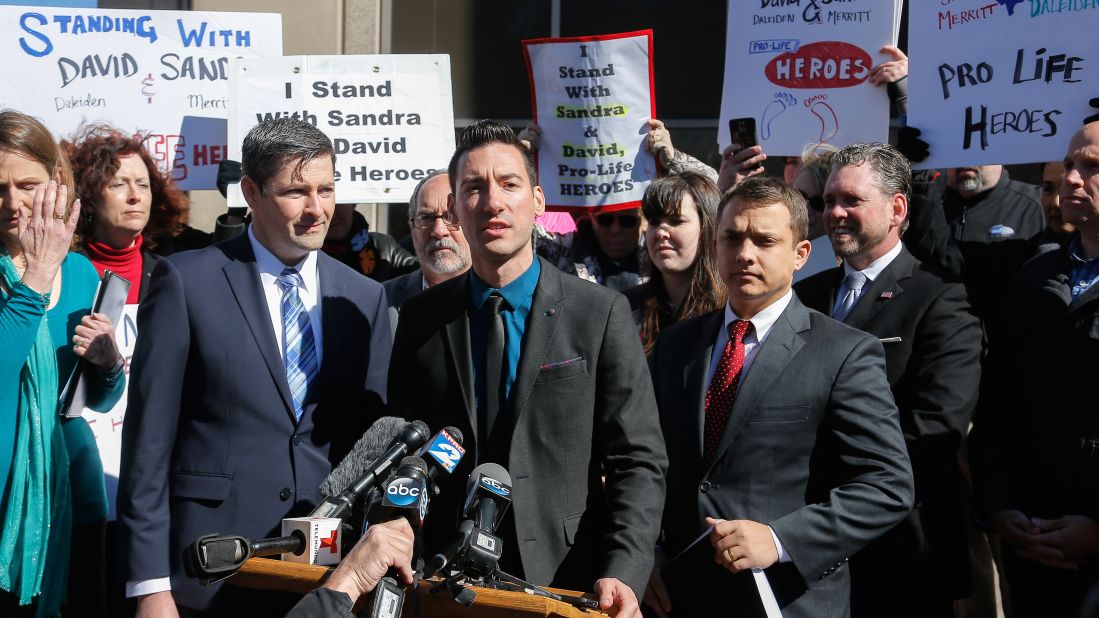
(742, 544)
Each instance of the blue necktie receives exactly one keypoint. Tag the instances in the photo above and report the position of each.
(299, 348)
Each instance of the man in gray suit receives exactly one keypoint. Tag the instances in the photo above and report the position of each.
(782, 435)
(437, 239)
(544, 374)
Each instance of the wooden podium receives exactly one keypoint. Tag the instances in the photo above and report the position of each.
(268, 574)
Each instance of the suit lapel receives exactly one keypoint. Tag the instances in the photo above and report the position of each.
(245, 284)
(780, 347)
(541, 325)
(331, 295)
(885, 288)
(456, 331)
(695, 383)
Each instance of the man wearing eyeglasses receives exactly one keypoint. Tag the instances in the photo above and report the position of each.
(437, 238)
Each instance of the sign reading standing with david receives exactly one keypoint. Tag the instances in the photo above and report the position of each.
(161, 73)
(390, 118)
(593, 97)
(801, 71)
(1005, 82)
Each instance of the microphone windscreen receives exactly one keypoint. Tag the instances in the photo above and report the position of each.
(370, 446)
(455, 433)
(413, 461)
(495, 471)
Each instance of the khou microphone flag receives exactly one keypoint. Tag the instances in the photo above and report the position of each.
(161, 73)
(801, 71)
(390, 117)
(1000, 82)
(593, 97)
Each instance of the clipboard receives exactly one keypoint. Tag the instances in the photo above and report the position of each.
(110, 299)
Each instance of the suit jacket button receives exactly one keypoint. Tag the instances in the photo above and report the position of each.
(285, 494)
(704, 486)
(297, 441)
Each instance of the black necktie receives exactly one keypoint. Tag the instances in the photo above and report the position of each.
(494, 370)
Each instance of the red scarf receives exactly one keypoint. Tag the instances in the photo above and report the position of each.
(123, 262)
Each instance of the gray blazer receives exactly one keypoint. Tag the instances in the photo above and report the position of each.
(813, 448)
(399, 290)
(583, 408)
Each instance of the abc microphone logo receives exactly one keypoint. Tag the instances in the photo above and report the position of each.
(403, 492)
(495, 486)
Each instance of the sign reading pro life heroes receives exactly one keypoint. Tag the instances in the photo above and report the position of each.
(390, 117)
(593, 97)
(162, 73)
(802, 68)
(1001, 81)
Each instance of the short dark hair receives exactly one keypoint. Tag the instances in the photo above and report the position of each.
(413, 206)
(485, 132)
(759, 191)
(272, 144)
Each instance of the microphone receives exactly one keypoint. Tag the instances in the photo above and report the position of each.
(369, 447)
(488, 494)
(442, 453)
(411, 437)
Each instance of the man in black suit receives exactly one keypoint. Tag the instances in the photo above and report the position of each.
(261, 360)
(1035, 447)
(437, 238)
(782, 434)
(544, 374)
(933, 360)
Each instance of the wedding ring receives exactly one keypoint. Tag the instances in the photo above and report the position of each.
(60, 215)
(82, 342)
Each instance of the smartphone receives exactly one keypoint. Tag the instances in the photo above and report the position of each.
(742, 131)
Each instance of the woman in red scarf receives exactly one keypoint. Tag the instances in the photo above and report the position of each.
(127, 204)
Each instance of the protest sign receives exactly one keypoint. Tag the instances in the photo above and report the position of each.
(390, 117)
(107, 427)
(163, 73)
(593, 97)
(1000, 82)
(800, 69)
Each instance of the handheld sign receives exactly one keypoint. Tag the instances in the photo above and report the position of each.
(1000, 82)
(593, 97)
(161, 73)
(390, 117)
(801, 70)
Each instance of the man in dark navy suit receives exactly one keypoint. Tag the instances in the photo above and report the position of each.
(261, 361)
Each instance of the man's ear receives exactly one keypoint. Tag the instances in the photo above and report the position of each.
(900, 208)
(801, 254)
(251, 191)
(539, 201)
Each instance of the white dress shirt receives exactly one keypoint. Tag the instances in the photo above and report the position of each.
(269, 267)
(753, 339)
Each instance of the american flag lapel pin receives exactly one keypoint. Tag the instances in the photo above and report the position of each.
(886, 295)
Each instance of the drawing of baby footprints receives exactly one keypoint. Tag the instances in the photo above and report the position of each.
(773, 110)
(829, 123)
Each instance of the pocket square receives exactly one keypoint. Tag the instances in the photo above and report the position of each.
(890, 340)
(564, 363)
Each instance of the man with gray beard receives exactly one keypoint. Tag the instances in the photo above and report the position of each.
(437, 239)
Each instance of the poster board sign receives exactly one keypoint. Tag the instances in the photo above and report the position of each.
(1000, 82)
(593, 97)
(107, 427)
(163, 73)
(390, 117)
(801, 70)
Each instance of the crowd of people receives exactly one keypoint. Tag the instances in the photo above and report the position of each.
(857, 379)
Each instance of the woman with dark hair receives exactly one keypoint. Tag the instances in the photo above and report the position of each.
(128, 204)
(682, 215)
(51, 479)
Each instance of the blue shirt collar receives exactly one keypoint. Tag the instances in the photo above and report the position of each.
(1076, 252)
(518, 293)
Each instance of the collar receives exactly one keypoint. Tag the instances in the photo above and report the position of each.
(877, 266)
(1076, 252)
(518, 293)
(271, 266)
(764, 320)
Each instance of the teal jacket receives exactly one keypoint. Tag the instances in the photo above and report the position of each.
(20, 314)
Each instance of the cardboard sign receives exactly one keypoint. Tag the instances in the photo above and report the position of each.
(1000, 82)
(164, 73)
(593, 97)
(390, 117)
(107, 427)
(801, 69)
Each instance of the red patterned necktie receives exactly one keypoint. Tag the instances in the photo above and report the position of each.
(723, 387)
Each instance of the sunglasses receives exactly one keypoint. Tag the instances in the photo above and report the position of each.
(816, 202)
(607, 219)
